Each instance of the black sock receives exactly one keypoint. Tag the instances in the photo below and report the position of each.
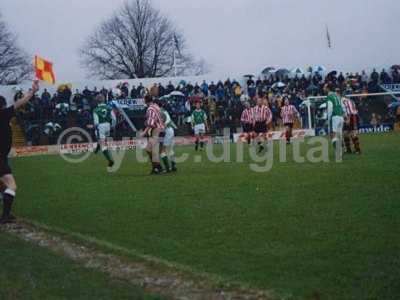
(107, 155)
(197, 145)
(201, 144)
(8, 199)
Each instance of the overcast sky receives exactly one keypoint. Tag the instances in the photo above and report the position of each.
(233, 36)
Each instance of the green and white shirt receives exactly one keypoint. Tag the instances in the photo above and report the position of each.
(337, 108)
(167, 119)
(103, 114)
(199, 116)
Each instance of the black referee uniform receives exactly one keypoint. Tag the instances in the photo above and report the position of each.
(6, 115)
(5, 146)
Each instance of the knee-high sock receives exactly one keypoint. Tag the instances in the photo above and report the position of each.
(347, 143)
(165, 161)
(197, 144)
(356, 143)
(107, 155)
(287, 135)
(8, 199)
(171, 156)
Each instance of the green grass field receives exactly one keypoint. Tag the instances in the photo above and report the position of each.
(29, 272)
(300, 229)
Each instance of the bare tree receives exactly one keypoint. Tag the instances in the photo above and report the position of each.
(15, 65)
(136, 42)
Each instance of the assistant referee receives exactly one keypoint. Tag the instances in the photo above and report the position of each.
(8, 185)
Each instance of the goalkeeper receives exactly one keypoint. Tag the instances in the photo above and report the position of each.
(104, 119)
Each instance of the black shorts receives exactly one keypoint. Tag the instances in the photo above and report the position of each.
(290, 125)
(352, 123)
(247, 128)
(260, 127)
(4, 166)
(161, 137)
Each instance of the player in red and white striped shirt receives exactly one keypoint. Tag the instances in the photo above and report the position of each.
(247, 120)
(262, 118)
(289, 114)
(154, 131)
(350, 128)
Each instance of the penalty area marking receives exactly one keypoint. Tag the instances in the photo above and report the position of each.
(154, 275)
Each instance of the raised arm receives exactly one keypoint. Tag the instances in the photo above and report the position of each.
(28, 96)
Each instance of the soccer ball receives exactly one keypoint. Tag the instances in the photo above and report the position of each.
(116, 92)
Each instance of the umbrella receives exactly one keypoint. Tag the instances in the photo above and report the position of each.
(297, 72)
(268, 70)
(278, 85)
(311, 88)
(394, 105)
(395, 67)
(282, 72)
(319, 69)
(177, 93)
(332, 73)
(249, 76)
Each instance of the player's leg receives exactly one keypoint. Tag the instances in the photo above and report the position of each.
(247, 131)
(335, 129)
(288, 133)
(262, 134)
(163, 151)
(354, 134)
(346, 136)
(155, 150)
(347, 143)
(104, 133)
(169, 147)
(197, 137)
(8, 189)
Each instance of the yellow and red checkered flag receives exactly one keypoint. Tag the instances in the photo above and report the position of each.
(44, 70)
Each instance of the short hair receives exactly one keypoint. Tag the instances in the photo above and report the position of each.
(148, 99)
(3, 102)
(100, 98)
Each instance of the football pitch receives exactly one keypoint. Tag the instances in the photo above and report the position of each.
(328, 229)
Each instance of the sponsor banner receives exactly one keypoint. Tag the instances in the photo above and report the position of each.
(190, 140)
(76, 148)
(132, 104)
(33, 151)
(124, 145)
(276, 135)
(375, 129)
(361, 129)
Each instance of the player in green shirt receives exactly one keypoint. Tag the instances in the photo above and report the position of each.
(168, 155)
(335, 116)
(199, 125)
(103, 118)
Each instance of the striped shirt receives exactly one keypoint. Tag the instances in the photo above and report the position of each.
(288, 114)
(262, 114)
(350, 107)
(247, 116)
(154, 118)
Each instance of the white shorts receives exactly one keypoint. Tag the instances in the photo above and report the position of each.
(337, 124)
(199, 129)
(103, 130)
(169, 136)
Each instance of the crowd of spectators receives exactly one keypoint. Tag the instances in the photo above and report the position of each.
(47, 114)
